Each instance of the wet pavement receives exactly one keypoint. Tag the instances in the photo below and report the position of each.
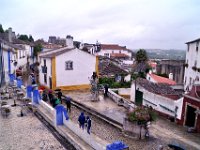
(162, 131)
(25, 133)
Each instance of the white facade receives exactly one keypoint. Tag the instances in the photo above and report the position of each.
(192, 76)
(22, 54)
(83, 65)
(108, 52)
(159, 103)
(6, 63)
(48, 74)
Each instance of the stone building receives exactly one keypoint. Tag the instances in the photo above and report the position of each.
(176, 67)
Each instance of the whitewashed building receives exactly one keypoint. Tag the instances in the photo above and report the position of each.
(67, 68)
(160, 97)
(192, 64)
(8, 57)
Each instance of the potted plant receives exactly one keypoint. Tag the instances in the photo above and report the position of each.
(198, 69)
(137, 121)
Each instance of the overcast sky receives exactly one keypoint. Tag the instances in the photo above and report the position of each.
(165, 24)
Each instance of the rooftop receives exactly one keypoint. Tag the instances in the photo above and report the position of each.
(193, 41)
(163, 80)
(160, 89)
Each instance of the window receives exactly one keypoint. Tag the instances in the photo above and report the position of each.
(69, 65)
(45, 78)
(120, 52)
(188, 47)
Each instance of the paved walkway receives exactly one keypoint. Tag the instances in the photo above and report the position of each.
(163, 128)
(27, 132)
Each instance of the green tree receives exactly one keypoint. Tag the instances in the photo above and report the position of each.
(141, 56)
(30, 39)
(1, 29)
(37, 49)
(23, 37)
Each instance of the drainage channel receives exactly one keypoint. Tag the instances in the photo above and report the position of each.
(63, 141)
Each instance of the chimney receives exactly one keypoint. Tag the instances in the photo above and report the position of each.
(10, 35)
(150, 71)
(69, 41)
(171, 76)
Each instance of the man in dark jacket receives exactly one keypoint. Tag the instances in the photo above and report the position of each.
(68, 103)
(88, 124)
(81, 120)
(60, 96)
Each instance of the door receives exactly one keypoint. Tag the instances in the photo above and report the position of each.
(190, 116)
(139, 97)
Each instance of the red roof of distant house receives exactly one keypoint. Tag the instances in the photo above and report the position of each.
(118, 55)
(160, 79)
(112, 47)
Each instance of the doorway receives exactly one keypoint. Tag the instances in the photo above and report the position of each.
(139, 97)
(190, 116)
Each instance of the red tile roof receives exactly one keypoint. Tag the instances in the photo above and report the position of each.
(112, 47)
(160, 79)
(118, 55)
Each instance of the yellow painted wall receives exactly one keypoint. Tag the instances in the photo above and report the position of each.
(97, 65)
(74, 87)
(53, 67)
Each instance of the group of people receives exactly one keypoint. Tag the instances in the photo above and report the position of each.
(56, 99)
(84, 121)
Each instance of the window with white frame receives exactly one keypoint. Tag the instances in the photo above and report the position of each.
(69, 65)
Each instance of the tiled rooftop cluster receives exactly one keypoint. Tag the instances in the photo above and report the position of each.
(161, 89)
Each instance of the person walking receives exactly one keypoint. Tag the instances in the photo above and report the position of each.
(50, 95)
(106, 90)
(68, 103)
(60, 96)
(44, 96)
(81, 120)
(88, 124)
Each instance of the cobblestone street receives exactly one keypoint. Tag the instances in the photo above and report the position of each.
(25, 133)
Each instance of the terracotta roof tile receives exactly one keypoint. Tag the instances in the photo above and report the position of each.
(159, 89)
(118, 55)
(112, 47)
(160, 79)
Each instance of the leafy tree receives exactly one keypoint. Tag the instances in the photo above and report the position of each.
(23, 37)
(1, 29)
(141, 56)
(30, 39)
(37, 49)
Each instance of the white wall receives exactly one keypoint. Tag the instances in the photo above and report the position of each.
(191, 56)
(83, 67)
(156, 101)
(102, 52)
(49, 72)
(149, 78)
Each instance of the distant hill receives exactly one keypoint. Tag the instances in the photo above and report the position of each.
(165, 54)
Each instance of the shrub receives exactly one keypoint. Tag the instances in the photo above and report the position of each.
(142, 115)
